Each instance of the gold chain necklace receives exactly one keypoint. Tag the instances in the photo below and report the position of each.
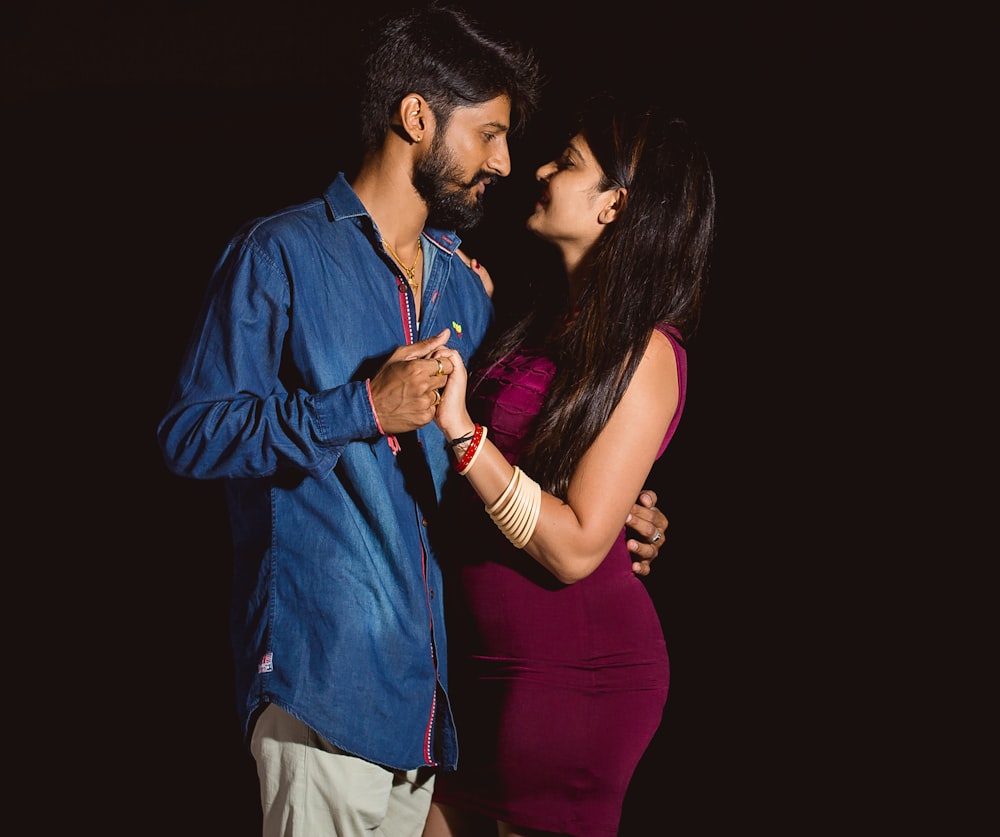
(408, 270)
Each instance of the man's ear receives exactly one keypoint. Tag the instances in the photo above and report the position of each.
(414, 116)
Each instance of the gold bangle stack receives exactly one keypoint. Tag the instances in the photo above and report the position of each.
(516, 510)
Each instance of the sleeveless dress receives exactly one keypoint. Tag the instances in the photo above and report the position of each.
(557, 689)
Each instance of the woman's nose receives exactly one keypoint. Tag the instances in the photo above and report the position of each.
(544, 171)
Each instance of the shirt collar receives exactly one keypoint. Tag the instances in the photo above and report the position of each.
(344, 203)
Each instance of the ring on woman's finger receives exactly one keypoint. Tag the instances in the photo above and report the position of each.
(437, 397)
(657, 534)
(440, 367)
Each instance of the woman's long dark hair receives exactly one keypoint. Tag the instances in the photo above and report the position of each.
(649, 267)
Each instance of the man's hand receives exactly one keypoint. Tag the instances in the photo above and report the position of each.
(649, 524)
(405, 390)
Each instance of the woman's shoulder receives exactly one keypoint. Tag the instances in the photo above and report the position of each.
(669, 330)
(666, 334)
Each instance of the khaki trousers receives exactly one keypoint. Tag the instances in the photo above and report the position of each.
(309, 787)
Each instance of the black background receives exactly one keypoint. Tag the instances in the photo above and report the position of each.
(139, 139)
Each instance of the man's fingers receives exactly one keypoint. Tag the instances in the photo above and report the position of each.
(641, 568)
(646, 518)
(449, 358)
(641, 550)
(422, 348)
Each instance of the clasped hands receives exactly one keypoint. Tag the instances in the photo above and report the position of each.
(407, 389)
(412, 389)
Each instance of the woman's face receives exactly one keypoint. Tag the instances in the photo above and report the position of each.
(571, 212)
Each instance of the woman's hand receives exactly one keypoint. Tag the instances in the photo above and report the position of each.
(451, 414)
(480, 271)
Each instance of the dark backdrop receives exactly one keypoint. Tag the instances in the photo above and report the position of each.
(141, 139)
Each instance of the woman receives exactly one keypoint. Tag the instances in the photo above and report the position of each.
(558, 665)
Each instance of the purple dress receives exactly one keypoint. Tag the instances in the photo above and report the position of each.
(557, 689)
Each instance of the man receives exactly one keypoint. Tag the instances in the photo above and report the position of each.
(308, 388)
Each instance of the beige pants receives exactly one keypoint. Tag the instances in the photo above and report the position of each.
(309, 787)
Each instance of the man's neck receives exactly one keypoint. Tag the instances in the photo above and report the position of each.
(385, 187)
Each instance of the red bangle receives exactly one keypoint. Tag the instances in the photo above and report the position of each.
(470, 451)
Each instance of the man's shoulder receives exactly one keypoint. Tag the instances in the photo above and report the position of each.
(337, 202)
(304, 218)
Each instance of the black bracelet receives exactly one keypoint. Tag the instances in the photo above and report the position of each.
(461, 440)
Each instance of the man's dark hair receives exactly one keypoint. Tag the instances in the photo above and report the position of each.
(448, 58)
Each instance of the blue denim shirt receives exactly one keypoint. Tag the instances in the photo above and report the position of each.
(337, 610)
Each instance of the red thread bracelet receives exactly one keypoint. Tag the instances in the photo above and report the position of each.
(371, 402)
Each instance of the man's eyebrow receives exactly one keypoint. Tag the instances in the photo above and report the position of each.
(499, 126)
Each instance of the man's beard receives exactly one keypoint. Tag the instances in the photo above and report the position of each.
(451, 203)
